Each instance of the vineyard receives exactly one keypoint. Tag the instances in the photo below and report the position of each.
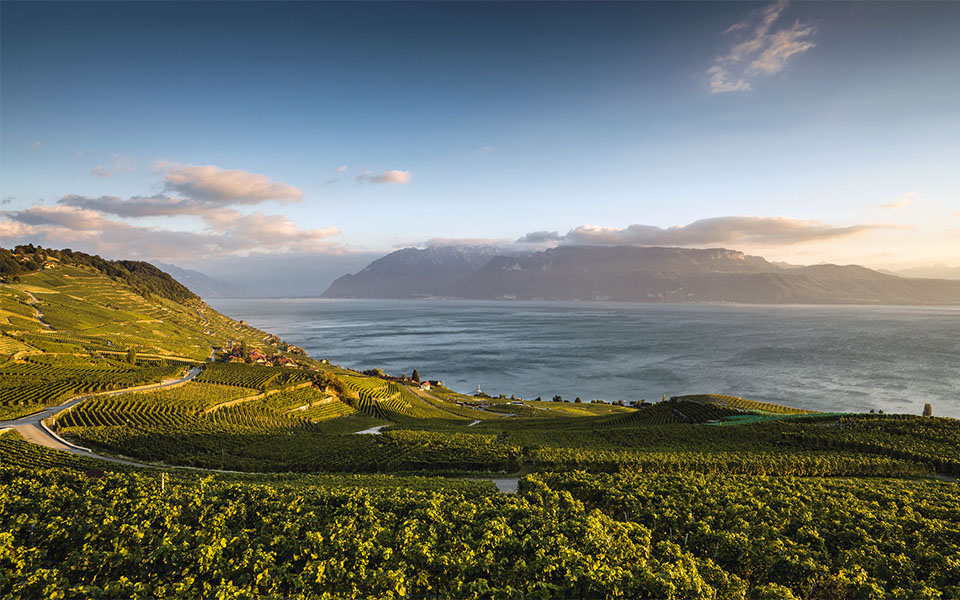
(251, 376)
(566, 535)
(36, 384)
(282, 498)
(742, 404)
(664, 413)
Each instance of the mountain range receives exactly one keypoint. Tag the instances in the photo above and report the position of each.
(629, 274)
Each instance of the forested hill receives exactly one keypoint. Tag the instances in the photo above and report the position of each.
(144, 278)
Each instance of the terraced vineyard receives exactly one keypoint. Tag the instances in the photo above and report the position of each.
(613, 502)
(663, 413)
(35, 384)
(742, 404)
(16, 452)
(251, 376)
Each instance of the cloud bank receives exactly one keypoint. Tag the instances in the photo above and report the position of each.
(719, 230)
(761, 52)
(206, 192)
(229, 234)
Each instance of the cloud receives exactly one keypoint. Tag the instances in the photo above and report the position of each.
(198, 191)
(901, 201)
(540, 237)
(341, 169)
(8, 199)
(718, 230)
(37, 145)
(220, 187)
(761, 52)
(229, 233)
(455, 241)
(158, 205)
(120, 164)
(395, 176)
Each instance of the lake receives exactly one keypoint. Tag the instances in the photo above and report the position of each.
(830, 358)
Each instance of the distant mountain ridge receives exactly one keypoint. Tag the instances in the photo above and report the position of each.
(413, 273)
(201, 284)
(629, 274)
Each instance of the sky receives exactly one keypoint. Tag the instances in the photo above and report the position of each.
(301, 140)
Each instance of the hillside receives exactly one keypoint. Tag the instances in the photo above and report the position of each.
(249, 470)
(413, 273)
(635, 274)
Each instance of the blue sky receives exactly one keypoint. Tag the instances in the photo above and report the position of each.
(802, 132)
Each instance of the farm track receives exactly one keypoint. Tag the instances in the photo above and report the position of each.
(33, 302)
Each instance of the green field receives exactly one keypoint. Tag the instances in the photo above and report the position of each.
(251, 481)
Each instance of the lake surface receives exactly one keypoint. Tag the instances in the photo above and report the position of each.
(831, 358)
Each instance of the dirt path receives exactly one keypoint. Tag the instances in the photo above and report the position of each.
(206, 323)
(217, 407)
(371, 431)
(33, 302)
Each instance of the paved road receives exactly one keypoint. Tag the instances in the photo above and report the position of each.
(32, 429)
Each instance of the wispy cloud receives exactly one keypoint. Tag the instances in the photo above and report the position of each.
(760, 51)
(341, 168)
(901, 201)
(395, 177)
(119, 164)
(36, 145)
(8, 199)
(718, 230)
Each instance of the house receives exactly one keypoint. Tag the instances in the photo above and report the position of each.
(425, 385)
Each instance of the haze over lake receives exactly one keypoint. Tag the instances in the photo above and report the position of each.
(829, 358)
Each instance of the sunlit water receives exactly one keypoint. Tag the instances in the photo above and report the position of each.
(835, 358)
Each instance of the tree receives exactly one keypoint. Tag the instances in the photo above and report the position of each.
(578, 401)
(415, 377)
(132, 356)
(558, 398)
(927, 410)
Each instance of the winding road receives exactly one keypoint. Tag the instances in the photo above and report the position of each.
(33, 430)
